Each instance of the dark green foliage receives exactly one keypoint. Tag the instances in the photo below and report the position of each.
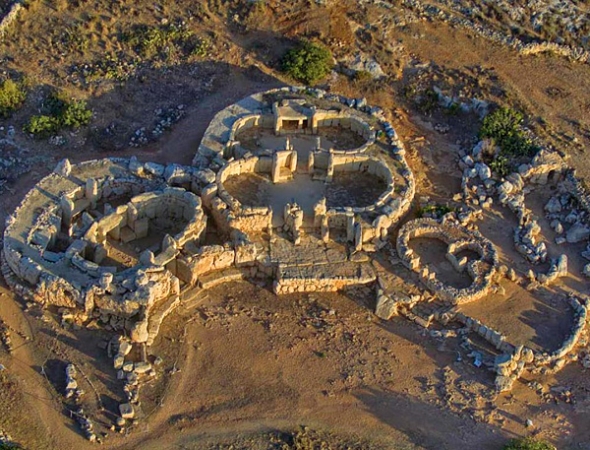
(76, 114)
(500, 165)
(425, 99)
(528, 444)
(428, 101)
(308, 62)
(12, 96)
(453, 109)
(5, 446)
(60, 112)
(42, 126)
(504, 127)
(437, 210)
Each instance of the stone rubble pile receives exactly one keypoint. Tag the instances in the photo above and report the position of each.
(73, 391)
(132, 374)
(5, 336)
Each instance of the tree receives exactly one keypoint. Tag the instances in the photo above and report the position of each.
(308, 62)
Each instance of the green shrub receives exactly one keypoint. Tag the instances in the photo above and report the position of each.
(12, 96)
(504, 127)
(307, 63)
(61, 112)
(437, 210)
(42, 126)
(200, 48)
(528, 443)
(428, 101)
(76, 114)
(500, 165)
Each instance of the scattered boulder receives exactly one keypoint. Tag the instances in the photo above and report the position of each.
(63, 168)
(578, 232)
(553, 205)
(127, 411)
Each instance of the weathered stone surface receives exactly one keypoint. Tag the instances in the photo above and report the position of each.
(385, 307)
(127, 411)
(577, 233)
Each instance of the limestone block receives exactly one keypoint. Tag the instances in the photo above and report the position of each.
(171, 266)
(245, 254)
(80, 205)
(118, 361)
(154, 168)
(142, 367)
(185, 272)
(127, 411)
(100, 253)
(63, 168)
(127, 235)
(115, 233)
(141, 228)
(577, 233)
(125, 348)
(139, 332)
(385, 307)
(135, 166)
(92, 191)
(177, 174)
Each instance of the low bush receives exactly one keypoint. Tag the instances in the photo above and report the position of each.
(308, 62)
(42, 125)
(500, 165)
(362, 76)
(436, 210)
(60, 112)
(425, 99)
(76, 114)
(528, 443)
(12, 96)
(504, 126)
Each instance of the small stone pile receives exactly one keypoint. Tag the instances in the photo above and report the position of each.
(131, 373)
(5, 336)
(72, 391)
(510, 366)
(165, 119)
(85, 424)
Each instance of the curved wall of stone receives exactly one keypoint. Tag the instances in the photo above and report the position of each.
(457, 238)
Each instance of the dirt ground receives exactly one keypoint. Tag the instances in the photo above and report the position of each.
(246, 366)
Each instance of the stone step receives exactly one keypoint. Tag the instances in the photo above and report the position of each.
(324, 277)
(193, 296)
(158, 314)
(219, 277)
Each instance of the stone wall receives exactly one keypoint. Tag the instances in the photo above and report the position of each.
(9, 18)
(457, 237)
(71, 205)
